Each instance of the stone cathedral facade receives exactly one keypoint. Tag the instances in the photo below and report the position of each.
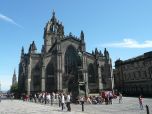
(64, 64)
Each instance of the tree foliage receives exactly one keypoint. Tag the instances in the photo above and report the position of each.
(14, 88)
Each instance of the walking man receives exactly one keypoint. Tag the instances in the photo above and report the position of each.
(82, 103)
(59, 99)
(68, 102)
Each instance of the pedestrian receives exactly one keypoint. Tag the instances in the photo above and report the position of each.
(141, 102)
(120, 98)
(11, 97)
(0, 97)
(82, 103)
(52, 99)
(89, 100)
(35, 97)
(68, 102)
(59, 99)
(62, 101)
(110, 97)
(45, 98)
(48, 97)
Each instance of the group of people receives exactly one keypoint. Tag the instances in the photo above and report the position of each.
(50, 98)
(64, 100)
(105, 97)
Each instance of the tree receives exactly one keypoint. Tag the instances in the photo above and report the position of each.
(14, 88)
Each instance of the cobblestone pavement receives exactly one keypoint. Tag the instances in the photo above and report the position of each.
(129, 106)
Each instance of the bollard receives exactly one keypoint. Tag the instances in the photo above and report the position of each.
(147, 109)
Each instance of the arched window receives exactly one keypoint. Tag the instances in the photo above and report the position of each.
(70, 78)
(71, 60)
(91, 74)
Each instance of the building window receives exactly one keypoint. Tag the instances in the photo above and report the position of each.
(145, 73)
(139, 75)
(150, 71)
(91, 74)
(134, 75)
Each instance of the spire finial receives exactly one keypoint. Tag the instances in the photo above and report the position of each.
(96, 51)
(22, 51)
(53, 16)
(82, 35)
(53, 13)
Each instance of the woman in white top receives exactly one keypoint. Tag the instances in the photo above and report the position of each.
(62, 101)
(48, 97)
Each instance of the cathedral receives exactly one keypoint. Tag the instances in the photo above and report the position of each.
(64, 64)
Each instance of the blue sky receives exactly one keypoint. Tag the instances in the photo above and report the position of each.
(124, 27)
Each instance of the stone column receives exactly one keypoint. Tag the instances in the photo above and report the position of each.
(100, 79)
(60, 77)
(87, 88)
(59, 72)
(29, 78)
(83, 66)
(59, 67)
(85, 73)
(112, 78)
(28, 86)
(43, 78)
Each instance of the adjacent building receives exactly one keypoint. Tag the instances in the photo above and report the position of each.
(63, 64)
(134, 76)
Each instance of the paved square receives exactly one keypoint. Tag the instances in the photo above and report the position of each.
(129, 106)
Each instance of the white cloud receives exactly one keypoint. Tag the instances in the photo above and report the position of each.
(7, 19)
(129, 43)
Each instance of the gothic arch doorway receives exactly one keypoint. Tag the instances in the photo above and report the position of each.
(36, 81)
(50, 77)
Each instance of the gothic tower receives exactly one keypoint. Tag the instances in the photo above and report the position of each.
(14, 81)
(53, 30)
